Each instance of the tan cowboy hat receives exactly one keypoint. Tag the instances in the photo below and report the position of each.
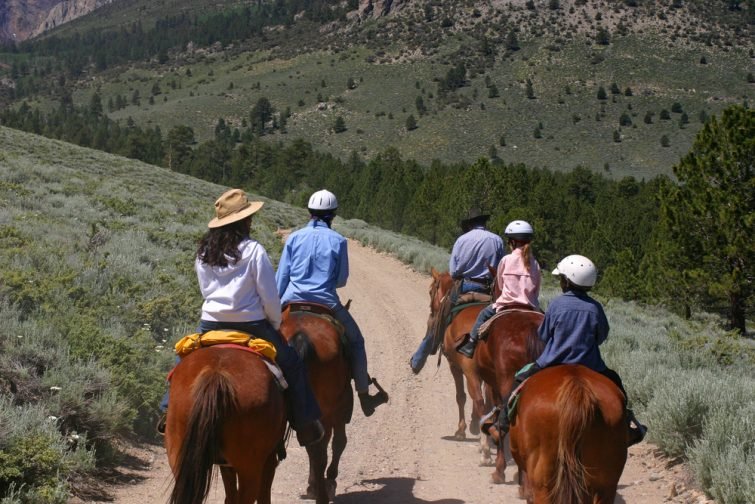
(232, 206)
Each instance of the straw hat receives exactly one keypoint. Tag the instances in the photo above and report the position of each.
(232, 206)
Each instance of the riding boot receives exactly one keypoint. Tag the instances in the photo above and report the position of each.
(370, 402)
(467, 349)
(637, 431)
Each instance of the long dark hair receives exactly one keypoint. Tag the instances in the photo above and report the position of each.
(220, 246)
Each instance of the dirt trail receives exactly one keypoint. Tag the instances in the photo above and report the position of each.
(404, 453)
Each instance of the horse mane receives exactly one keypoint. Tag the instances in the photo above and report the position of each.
(201, 444)
(579, 406)
(441, 318)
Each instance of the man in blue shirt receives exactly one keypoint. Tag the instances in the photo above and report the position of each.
(472, 253)
(314, 263)
(573, 328)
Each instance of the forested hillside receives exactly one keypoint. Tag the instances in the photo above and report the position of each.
(620, 88)
(97, 284)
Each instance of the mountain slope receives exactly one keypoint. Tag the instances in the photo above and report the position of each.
(532, 75)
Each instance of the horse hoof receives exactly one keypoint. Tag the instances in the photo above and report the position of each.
(460, 436)
(497, 479)
(330, 487)
(309, 494)
(486, 462)
(474, 428)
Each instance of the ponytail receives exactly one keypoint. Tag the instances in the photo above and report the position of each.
(527, 256)
(526, 252)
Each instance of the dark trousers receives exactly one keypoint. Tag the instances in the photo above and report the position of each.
(303, 402)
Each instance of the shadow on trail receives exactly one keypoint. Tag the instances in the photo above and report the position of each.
(457, 440)
(392, 490)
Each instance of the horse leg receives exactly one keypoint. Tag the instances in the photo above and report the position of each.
(266, 486)
(229, 484)
(474, 388)
(250, 483)
(461, 401)
(339, 445)
(499, 475)
(318, 460)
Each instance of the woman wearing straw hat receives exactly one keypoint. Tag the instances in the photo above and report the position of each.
(237, 281)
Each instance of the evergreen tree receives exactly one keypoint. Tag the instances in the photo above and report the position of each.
(411, 123)
(339, 126)
(601, 93)
(512, 43)
(710, 215)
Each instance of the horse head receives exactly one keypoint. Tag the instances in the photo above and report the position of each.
(440, 287)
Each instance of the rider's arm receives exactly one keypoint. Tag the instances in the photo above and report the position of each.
(265, 282)
(283, 275)
(343, 264)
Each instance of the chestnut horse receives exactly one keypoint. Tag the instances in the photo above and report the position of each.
(461, 324)
(511, 343)
(318, 342)
(569, 437)
(225, 407)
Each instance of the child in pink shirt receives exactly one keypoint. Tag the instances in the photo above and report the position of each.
(519, 277)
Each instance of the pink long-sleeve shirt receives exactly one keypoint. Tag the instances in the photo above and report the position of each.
(517, 284)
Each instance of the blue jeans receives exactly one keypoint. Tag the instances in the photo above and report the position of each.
(356, 347)
(484, 315)
(303, 402)
(425, 348)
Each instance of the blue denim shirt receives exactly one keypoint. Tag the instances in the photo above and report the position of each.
(574, 326)
(473, 252)
(313, 264)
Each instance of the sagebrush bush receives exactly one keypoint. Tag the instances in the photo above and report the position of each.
(724, 458)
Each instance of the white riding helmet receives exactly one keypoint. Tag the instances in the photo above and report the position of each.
(519, 230)
(323, 200)
(578, 269)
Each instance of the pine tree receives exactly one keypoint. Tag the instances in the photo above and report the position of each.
(411, 123)
(710, 215)
(340, 125)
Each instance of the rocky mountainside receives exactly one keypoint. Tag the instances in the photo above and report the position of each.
(22, 19)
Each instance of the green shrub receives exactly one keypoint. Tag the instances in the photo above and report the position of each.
(723, 460)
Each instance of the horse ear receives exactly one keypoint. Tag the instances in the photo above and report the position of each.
(434, 273)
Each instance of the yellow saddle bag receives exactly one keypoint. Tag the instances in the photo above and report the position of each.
(191, 342)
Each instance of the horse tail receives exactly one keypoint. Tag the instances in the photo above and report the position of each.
(216, 400)
(578, 407)
(303, 345)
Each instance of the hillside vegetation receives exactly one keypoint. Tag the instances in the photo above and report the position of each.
(97, 283)
(617, 87)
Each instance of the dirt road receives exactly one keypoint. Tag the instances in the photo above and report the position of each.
(405, 453)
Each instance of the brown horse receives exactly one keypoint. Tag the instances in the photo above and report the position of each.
(317, 340)
(569, 437)
(461, 324)
(512, 342)
(225, 407)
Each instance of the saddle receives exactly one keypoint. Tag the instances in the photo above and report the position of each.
(323, 312)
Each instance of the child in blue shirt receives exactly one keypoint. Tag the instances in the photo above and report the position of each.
(574, 327)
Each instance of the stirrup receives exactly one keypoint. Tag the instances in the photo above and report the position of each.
(161, 422)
